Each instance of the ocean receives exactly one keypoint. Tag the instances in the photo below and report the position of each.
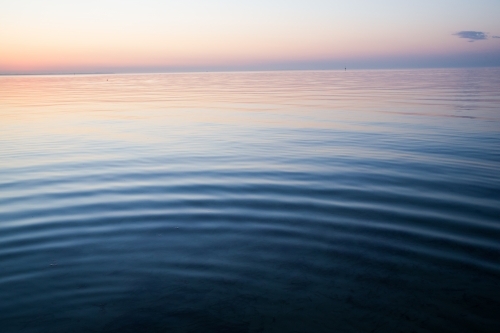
(294, 201)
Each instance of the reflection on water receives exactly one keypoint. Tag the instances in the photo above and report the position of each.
(251, 202)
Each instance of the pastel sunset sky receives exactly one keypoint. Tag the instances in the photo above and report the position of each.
(61, 36)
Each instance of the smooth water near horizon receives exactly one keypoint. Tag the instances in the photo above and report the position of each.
(329, 201)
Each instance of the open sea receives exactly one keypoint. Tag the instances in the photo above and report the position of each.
(301, 201)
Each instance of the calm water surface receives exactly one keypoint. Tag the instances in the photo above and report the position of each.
(364, 201)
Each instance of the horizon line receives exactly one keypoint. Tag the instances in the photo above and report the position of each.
(240, 70)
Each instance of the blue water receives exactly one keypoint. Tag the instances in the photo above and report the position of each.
(329, 201)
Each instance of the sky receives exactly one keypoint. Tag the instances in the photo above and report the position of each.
(108, 36)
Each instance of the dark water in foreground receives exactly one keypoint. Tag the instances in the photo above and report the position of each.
(361, 201)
